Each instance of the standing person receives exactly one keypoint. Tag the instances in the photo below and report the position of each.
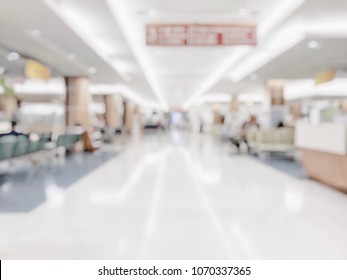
(201, 125)
(18, 117)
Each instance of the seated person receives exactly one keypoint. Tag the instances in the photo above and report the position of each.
(250, 124)
(13, 131)
(280, 124)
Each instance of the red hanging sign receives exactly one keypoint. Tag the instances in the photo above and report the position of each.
(201, 34)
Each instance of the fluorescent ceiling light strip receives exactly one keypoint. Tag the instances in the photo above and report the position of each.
(255, 96)
(129, 30)
(214, 98)
(279, 15)
(252, 97)
(54, 86)
(58, 88)
(42, 108)
(307, 88)
(298, 89)
(84, 28)
(329, 28)
(125, 91)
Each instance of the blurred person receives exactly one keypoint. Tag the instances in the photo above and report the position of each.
(280, 124)
(33, 137)
(14, 131)
(18, 116)
(241, 135)
(233, 131)
(201, 125)
(99, 123)
(234, 136)
(249, 125)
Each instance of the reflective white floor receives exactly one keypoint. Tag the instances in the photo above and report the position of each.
(179, 196)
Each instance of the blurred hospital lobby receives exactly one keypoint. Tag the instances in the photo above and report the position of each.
(173, 130)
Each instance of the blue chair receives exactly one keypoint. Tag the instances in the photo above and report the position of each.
(22, 146)
(7, 146)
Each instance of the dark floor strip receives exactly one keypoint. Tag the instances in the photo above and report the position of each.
(23, 191)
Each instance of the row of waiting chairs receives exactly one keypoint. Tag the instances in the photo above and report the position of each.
(15, 146)
(68, 140)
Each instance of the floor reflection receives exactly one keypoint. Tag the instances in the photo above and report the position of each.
(25, 189)
(175, 195)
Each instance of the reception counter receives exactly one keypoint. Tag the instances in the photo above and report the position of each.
(324, 152)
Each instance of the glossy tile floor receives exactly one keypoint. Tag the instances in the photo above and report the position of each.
(178, 196)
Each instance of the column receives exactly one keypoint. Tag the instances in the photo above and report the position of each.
(275, 89)
(77, 102)
(234, 104)
(295, 110)
(344, 105)
(132, 122)
(113, 111)
(217, 116)
(129, 108)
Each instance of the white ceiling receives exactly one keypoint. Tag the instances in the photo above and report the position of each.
(110, 36)
(19, 17)
(58, 40)
(179, 73)
(300, 62)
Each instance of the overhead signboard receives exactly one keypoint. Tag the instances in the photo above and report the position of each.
(201, 34)
(35, 70)
(324, 77)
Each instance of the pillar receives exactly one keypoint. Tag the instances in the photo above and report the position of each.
(132, 121)
(113, 111)
(77, 102)
(218, 118)
(234, 104)
(344, 105)
(295, 110)
(275, 89)
(129, 108)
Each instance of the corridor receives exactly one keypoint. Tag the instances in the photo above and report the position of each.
(175, 195)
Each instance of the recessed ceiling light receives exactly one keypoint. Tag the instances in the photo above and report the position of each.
(35, 33)
(253, 77)
(13, 56)
(314, 45)
(71, 56)
(148, 12)
(92, 70)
